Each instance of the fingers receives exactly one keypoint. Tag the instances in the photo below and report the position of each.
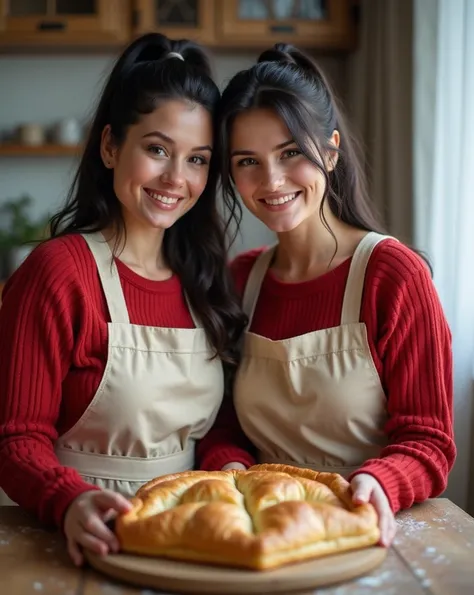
(365, 488)
(361, 489)
(88, 541)
(106, 500)
(74, 553)
(387, 524)
(96, 527)
(85, 527)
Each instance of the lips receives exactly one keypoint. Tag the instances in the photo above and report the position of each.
(275, 200)
(166, 198)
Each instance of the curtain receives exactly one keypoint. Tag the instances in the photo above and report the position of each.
(379, 101)
(444, 198)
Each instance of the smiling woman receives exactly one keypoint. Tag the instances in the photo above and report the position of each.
(119, 333)
(347, 362)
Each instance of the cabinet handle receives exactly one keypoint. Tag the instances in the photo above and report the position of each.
(51, 26)
(282, 29)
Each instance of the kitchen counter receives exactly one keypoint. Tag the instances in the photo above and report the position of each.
(433, 553)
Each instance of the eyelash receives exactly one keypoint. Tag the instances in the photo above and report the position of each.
(246, 162)
(154, 149)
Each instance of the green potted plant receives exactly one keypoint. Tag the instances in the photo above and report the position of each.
(19, 232)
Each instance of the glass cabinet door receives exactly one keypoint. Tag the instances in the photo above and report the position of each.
(22, 8)
(63, 22)
(281, 9)
(192, 19)
(309, 23)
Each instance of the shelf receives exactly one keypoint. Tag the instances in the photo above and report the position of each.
(14, 150)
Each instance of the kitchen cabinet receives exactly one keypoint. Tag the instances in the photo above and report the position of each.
(188, 19)
(313, 24)
(93, 23)
(320, 25)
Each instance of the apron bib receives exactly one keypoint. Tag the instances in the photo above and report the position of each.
(160, 392)
(315, 400)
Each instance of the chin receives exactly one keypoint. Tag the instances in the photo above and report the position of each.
(162, 224)
(281, 227)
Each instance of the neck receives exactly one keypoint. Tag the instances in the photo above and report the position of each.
(310, 250)
(141, 249)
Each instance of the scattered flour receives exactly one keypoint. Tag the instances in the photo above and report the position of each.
(374, 581)
(408, 525)
(38, 586)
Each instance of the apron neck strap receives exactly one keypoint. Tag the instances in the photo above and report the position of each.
(109, 277)
(355, 281)
(254, 282)
(197, 322)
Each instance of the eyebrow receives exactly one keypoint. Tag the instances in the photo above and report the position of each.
(277, 148)
(172, 142)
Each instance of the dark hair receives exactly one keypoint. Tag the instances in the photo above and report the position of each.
(289, 82)
(195, 247)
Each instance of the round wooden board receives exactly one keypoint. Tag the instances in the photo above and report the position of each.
(183, 577)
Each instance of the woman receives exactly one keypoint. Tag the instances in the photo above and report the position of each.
(115, 331)
(347, 364)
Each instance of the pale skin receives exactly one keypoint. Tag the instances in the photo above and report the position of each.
(166, 154)
(267, 164)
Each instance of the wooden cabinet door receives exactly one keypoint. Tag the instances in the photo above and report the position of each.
(321, 24)
(178, 19)
(64, 22)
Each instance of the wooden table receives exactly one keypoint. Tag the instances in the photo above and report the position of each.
(433, 553)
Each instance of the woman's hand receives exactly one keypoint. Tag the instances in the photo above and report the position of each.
(234, 466)
(366, 488)
(84, 523)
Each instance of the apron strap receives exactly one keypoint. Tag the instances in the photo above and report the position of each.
(254, 282)
(355, 282)
(197, 322)
(110, 280)
(109, 277)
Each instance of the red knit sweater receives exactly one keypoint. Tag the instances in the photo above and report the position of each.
(411, 346)
(53, 351)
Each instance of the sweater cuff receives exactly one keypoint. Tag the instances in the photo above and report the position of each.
(218, 457)
(388, 477)
(64, 497)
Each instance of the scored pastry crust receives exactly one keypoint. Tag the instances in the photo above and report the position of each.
(261, 518)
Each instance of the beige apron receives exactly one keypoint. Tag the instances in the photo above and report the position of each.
(314, 400)
(160, 392)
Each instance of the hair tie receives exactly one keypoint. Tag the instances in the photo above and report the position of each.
(175, 55)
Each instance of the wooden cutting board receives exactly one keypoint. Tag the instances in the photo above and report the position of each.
(183, 577)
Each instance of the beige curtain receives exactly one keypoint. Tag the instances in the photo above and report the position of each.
(379, 101)
(444, 179)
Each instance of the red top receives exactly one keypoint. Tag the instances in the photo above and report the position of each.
(410, 344)
(53, 351)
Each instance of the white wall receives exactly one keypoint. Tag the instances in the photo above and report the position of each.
(45, 89)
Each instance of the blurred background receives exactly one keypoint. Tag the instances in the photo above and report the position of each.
(403, 70)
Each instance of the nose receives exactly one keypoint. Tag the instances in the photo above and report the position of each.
(173, 174)
(273, 179)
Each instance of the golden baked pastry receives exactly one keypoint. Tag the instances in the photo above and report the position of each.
(265, 517)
